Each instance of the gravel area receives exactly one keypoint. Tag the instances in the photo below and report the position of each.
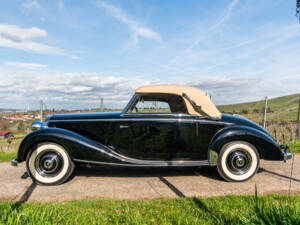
(145, 183)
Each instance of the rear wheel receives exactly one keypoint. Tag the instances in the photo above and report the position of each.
(49, 164)
(238, 161)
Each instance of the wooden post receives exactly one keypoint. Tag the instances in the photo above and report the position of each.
(265, 112)
(41, 110)
(298, 122)
(101, 105)
(275, 133)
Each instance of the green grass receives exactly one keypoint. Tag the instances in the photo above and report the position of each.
(272, 209)
(294, 148)
(282, 109)
(12, 147)
(7, 156)
(289, 102)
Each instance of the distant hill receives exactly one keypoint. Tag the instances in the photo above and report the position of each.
(4, 110)
(279, 109)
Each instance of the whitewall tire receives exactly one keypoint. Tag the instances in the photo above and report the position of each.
(49, 164)
(238, 161)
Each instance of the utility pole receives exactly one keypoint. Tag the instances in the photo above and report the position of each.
(265, 111)
(101, 105)
(41, 110)
(298, 122)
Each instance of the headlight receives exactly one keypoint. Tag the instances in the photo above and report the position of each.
(37, 125)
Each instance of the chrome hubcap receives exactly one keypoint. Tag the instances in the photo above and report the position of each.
(48, 163)
(239, 162)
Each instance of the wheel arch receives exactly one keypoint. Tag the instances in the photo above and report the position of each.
(266, 146)
(24, 150)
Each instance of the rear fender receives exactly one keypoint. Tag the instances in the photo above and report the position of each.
(268, 149)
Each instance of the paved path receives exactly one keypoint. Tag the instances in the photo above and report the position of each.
(145, 183)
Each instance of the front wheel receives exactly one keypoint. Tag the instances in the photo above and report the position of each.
(238, 161)
(49, 164)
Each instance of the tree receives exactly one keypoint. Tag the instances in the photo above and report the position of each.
(21, 126)
(4, 125)
(298, 9)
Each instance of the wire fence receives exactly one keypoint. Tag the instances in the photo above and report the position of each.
(283, 133)
(10, 145)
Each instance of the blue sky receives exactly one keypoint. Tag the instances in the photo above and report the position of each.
(72, 53)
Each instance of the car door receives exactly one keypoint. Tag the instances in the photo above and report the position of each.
(145, 137)
(194, 137)
(146, 131)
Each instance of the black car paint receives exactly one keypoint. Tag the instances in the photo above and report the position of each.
(147, 139)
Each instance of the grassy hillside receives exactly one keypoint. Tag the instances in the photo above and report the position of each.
(281, 109)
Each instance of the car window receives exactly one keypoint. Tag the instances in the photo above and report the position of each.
(143, 106)
(158, 103)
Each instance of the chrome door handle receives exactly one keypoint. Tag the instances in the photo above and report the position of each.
(124, 126)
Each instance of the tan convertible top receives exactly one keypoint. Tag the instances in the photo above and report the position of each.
(198, 102)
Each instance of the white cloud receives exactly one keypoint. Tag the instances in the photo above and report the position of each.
(17, 34)
(30, 46)
(227, 90)
(225, 15)
(60, 5)
(26, 65)
(30, 6)
(12, 36)
(84, 90)
(67, 90)
(134, 26)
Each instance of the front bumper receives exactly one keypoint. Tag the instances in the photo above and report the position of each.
(14, 162)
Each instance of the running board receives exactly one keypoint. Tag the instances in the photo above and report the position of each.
(174, 163)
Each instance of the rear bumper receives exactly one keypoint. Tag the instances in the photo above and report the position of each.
(14, 162)
(286, 155)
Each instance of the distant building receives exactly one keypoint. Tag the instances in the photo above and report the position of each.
(19, 117)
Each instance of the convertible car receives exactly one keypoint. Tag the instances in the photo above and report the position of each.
(161, 126)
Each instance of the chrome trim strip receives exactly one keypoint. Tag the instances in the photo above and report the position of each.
(161, 164)
(129, 104)
(126, 119)
(159, 114)
(14, 162)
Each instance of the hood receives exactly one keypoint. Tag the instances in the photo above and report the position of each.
(243, 121)
(84, 116)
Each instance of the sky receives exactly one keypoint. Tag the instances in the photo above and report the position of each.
(73, 53)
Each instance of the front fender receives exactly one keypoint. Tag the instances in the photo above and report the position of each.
(77, 146)
(265, 144)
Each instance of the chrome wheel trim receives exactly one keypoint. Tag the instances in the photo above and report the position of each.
(48, 163)
(252, 167)
(239, 161)
(40, 150)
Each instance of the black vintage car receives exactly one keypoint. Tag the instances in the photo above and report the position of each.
(162, 126)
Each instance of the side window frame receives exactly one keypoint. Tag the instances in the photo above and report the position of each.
(137, 97)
